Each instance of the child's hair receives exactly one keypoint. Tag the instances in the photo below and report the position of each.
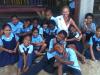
(14, 16)
(45, 22)
(97, 28)
(6, 25)
(37, 19)
(89, 14)
(52, 22)
(26, 36)
(26, 20)
(35, 29)
(63, 32)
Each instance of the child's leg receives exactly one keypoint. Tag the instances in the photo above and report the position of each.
(59, 66)
(20, 65)
(29, 62)
(43, 47)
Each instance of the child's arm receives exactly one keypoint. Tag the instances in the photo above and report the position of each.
(15, 50)
(92, 53)
(6, 50)
(64, 62)
(25, 58)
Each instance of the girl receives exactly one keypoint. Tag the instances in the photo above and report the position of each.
(89, 28)
(38, 43)
(16, 24)
(35, 23)
(94, 46)
(8, 47)
(25, 56)
(26, 30)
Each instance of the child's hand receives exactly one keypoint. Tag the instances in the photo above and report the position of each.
(10, 51)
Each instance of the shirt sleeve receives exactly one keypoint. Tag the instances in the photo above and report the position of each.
(30, 49)
(1, 43)
(40, 38)
(21, 49)
(41, 31)
(17, 38)
(51, 44)
(91, 41)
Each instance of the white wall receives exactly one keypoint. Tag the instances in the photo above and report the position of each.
(86, 6)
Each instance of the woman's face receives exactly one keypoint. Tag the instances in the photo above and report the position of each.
(35, 33)
(7, 30)
(65, 12)
(27, 41)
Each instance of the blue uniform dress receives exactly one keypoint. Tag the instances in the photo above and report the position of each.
(95, 42)
(28, 51)
(5, 57)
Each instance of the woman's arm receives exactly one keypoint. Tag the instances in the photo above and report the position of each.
(74, 24)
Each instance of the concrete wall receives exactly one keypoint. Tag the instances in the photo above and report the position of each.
(86, 6)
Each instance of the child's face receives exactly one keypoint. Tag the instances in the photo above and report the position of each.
(45, 26)
(7, 30)
(35, 33)
(15, 20)
(51, 26)
(27, 41)
(98, 33)
(89, 20)
(27, 23)
(60, 37)
(35, 23)
(65, 12)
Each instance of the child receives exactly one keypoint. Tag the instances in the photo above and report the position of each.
(47, 61)
(26, 30)
(25, 56)
(15, 24)
(94, 46)
(89, 28)
(68, 63)
(35, 23)
(38, 43)
(8, 47)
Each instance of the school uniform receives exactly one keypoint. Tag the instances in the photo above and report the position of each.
(91, 29)
(75, 68)
(16, 27)
(94, 41)
(8, 43)
(28, 51)
(40, 29)
(37, 39)
(26, 29)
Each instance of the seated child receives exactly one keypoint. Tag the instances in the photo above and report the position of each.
(89, 28)
(26, 30)
(38, 43)
(94, 46)
(35, 23)
(16, 24)
(48, 60)
(25, 55)
(8, 47)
